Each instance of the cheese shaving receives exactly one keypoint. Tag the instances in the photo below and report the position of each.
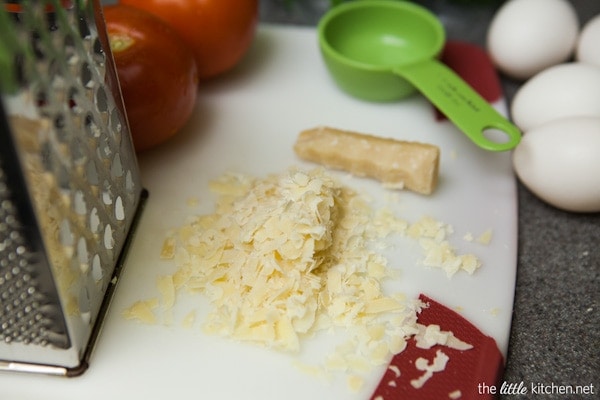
(431, 335)
(486, 237)
(422, 364)
(142, 311)
(167, 290)
(395, 370)
(167, 251)
(355, 383)
(432, 235)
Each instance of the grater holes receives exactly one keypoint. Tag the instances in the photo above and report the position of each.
(104, 147)
(129, 184)
(83, 255)
(119, 209)
(91, 174)
(84, 28)
(101, 100)
(79, 203)
(19, 68)
(60, 122)
(78, 145)
(58, 85)
(90, 126)
(9, 221)
(99, 59)
(86, 76)
(98, 50)
(116, 169)
(7, 276)
(94, 221)
(97, 271)
(70, 49)
(41, 98)
(54, 68)
(5, 244)
(51, 24)
(78, 151)
(62, 175)
(84, 300)
(65, 233)
(98, 55)
(109, 240)
(107, 194)
(116, 125)
(37, 46)
(73, 93)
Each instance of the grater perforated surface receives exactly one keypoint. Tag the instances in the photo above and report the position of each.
(22, 317)
(69, 182)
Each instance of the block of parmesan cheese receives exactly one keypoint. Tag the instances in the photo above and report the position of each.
(396, 163)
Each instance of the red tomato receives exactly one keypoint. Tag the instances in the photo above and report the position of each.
(157, 74)
(218, 31)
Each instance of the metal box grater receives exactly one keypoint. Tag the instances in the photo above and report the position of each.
(70, 189)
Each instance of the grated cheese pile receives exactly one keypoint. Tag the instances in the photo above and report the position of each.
(284, 257)
(288, 255)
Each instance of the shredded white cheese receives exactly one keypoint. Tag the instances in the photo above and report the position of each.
(395, 370)
(355, 382)
(431, 335)
(286, 256)
(486, 237)
(432, 236)
(142, 311)
(422, 364)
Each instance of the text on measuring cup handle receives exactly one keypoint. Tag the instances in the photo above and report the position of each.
(455, 95)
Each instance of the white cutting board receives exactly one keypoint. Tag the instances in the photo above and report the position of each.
(248, 122)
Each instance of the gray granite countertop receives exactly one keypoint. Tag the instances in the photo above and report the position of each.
(555, 335)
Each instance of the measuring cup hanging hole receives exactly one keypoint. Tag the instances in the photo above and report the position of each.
(496, 135)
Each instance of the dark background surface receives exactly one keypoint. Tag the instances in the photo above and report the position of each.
(555, 335)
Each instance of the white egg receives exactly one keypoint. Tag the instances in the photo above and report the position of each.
(560, 163)
(527, 36)
(564, 90)
(588, 44)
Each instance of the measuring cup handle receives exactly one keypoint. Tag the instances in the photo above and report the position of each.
(462, 105)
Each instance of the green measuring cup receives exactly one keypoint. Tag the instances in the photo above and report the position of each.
(385, 50)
